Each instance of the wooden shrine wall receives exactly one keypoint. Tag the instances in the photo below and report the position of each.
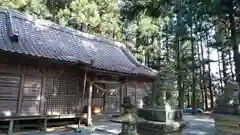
(112, 100)
(9, 90)
(29, 92)
(136, 93)
(61, 95)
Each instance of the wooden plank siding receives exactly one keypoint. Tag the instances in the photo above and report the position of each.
(31, 95)
(43, 91)
(9, 90)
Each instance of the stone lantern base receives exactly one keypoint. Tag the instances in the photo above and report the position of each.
(160, 120)
(227, 124)
(129, 129)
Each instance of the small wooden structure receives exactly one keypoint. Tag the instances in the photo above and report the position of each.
(48, 72)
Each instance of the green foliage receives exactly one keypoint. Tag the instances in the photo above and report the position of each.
(100, 16)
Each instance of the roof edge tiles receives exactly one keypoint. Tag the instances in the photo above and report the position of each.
(93, 43)
(53, 25)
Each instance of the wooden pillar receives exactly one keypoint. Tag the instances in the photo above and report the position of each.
(121, 95)
(19, 103)
(10, 128)
(42, 98)
(125, 89)
(78, 104)
(89, 115)
(83, 96)
(104, 98)
(43, 107)
(20, 95)
(135, 94)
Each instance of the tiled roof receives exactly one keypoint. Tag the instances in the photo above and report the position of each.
(46, 39)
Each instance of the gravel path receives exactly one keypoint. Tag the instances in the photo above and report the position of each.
(196, 125)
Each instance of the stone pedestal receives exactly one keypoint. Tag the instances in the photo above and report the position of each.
(128, 129)
(128, 118)
(227, 124)
(160, 120)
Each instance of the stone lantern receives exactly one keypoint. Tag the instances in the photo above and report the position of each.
(128, 119)
(161, 117)
(227, 110)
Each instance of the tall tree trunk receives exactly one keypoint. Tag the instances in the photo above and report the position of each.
(203, 77)
(188, 98)
(219, 39)
(210, 79)
(228, 51)
(220, 71)
(200, 72)
(179, 78)
(194, 108)
(224, 65)
(231, 63)
(236, 57)
(179, 75)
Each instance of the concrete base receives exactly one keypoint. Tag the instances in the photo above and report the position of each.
(160, 120)
(156, 128)
(227, 124)
(160, 114)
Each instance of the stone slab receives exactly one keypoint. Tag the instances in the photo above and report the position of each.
(227, 124)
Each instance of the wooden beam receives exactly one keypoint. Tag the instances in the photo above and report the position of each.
(102, 89)
(106, 82)
(89, 115)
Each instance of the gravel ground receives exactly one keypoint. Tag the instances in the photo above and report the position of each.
(196, 125)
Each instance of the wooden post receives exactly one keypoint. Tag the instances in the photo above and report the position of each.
(10, 128)
(43, 107)
(42, 98)
(20, 95)
(82, 99)
(104, 98)
(45, 124)
(135, 94)
(121, 91)
(77, 111)
(125, 89)
(89, 115)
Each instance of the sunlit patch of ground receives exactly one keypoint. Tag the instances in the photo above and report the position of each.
(199, 125)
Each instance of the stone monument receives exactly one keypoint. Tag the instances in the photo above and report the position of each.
(159, 117)
(128, 119)
(227, 110)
